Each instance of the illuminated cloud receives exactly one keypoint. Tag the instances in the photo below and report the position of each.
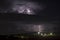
(22, 6)
(26, 7)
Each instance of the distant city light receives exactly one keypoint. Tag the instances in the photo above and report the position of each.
(41, 34)
(38, 32)
(45, 34)
(51, 33)
(22, 36)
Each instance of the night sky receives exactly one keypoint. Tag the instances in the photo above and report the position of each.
(45, 14)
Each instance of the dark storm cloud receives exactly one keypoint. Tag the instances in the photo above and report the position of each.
(5, 4)
(10, 5)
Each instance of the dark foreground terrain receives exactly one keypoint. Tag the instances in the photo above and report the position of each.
(11, 37)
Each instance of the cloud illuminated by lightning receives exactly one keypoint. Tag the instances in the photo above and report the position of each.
(23, 6)
(26, 7)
